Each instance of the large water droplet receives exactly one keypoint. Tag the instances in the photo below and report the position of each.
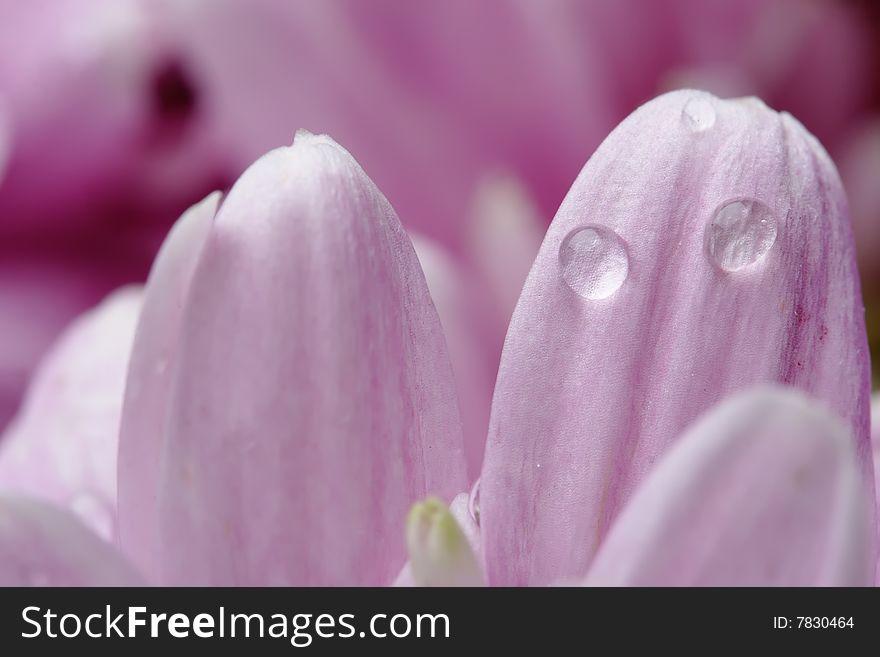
(740, 233)
(95, 512)
(698, 114)
(474, 503)
(594, 261)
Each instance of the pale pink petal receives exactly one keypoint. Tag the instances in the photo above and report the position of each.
(312, 400)
(764, 490)
(468, 322)
(62, 445)
(148, 388)
(41, 545)
(721, 257)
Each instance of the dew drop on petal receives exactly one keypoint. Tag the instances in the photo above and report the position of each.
(698, 114)
(474, 503)
(740, 233)
(594, 261)
(95, 512)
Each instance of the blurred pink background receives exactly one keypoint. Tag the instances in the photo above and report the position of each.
(472, 117)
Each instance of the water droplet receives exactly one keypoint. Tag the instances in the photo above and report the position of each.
(698, 114)
(95, 512)
(740, 233)
(474, 503)
(594, 261)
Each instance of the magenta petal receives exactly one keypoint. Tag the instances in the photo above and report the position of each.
(764, 490)
(313, 400)
(62, 446)
(148, 387)
(704, 248)
(41, 545)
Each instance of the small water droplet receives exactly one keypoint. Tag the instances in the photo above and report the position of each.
(698, 114)
(95, 512)
(594, 261)
(474, 503)
(740, 233)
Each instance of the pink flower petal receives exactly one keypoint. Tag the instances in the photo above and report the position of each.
(704, 248)
(62, 446)
(41, 545)
(460, 299)
(148, 388)
(313, 401)
(41, 292)
(764, 490)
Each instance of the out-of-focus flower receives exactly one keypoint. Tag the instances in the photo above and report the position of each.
(100, 144)
(129, 110)
(526, 87)
(95, 96)
(289, 364)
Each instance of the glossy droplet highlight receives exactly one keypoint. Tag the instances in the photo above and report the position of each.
(594, 261)
(474, 503)
(698, 114)
(740, 233)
